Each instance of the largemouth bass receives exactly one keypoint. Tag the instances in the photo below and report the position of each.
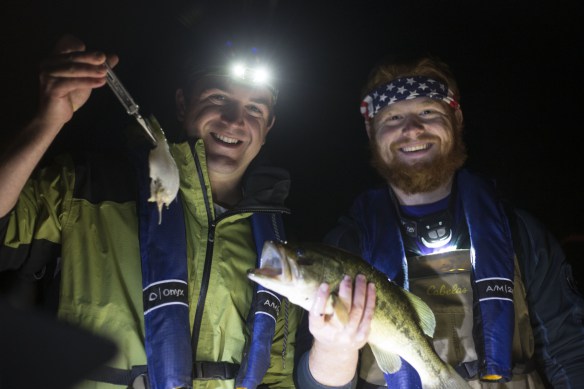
(402, 323)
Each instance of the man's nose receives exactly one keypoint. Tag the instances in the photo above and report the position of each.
(233, 113)
(412, 126)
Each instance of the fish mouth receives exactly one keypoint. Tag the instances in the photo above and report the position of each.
(275, 264)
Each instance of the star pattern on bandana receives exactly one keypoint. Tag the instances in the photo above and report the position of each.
(406, 88)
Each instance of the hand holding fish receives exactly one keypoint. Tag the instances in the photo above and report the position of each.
(395, 323)
(349, 326)
(342, 333)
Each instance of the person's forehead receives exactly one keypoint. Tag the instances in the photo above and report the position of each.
(229, 85)
(411, 103)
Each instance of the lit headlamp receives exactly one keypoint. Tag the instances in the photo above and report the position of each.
(258, 76)
(237, 59)
(255, 76)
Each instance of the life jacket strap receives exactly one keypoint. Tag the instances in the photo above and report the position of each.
(215, 370)
(470, 370)
(201, 371)
(115, 376)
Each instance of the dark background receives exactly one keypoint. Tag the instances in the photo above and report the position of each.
(517, 64)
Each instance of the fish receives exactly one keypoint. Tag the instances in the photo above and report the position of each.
(402, 324)
(164, 175)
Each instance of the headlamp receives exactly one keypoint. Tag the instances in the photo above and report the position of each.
(244, 66)
(258, 75)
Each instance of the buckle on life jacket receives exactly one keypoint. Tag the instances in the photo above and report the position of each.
(214, 370)
(140, 382)
(468, 370)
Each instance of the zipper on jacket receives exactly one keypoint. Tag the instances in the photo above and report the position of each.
(207, 265)
(209, 252)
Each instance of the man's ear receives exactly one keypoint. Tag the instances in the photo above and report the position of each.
(368, 127)
(268, 128)
(271, 124)
(179, 98)
(458, 115)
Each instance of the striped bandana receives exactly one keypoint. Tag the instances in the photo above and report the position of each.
(406, 88)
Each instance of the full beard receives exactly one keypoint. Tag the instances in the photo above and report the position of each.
(423, 176)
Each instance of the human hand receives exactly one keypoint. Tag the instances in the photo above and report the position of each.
(67, 78)
(343, 332)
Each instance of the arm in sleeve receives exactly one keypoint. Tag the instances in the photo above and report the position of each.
(555, 306)
(31, 232)
(305, 379)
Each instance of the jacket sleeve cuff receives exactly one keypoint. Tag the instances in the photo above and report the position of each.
(306, 380)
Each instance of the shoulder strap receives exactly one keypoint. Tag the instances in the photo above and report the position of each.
(165, 292)
(492, 274)
(264, 309)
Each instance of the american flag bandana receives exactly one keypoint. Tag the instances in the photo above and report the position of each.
(406, 88)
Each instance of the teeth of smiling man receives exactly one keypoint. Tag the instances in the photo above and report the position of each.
(415, 148)
(225, 139)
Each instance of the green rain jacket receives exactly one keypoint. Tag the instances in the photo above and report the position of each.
(84, 211)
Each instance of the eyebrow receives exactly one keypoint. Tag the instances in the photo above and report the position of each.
(225, 88)
(262, 100)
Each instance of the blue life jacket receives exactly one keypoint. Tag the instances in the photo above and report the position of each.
(166, 309)
(492, 259)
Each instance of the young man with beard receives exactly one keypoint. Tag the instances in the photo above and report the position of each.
(172, 294)
(507, 313)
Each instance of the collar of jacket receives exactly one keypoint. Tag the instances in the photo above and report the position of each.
(262, 185)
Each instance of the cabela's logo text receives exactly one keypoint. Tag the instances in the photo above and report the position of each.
(446, 290)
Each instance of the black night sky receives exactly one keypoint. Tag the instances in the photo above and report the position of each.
(517, 64)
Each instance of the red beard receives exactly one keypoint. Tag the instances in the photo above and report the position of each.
(423, 176)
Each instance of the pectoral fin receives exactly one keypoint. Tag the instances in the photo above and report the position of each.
(388, 362)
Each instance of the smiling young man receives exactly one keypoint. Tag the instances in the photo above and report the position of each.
(414, 146)
(233, 121)
(506, 311)
(172, 294)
